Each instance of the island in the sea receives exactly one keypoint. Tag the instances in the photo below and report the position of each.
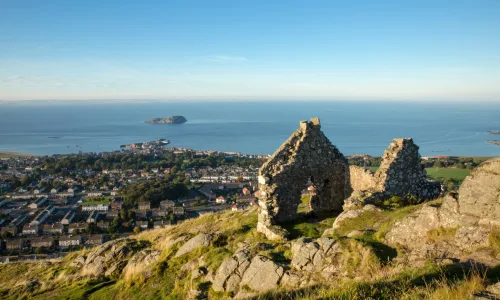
(168, 120)
(494, 142)
(494, 132)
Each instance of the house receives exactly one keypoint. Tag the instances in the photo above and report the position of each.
(16, 244)
(144, 205)
(38, 203)
(39, 190)
(56, 228)
(68, 217)
(77, 227)
(94, 194)
(311, 188)
(237, 207)
(30, 229)
(161, 224)
(116, 203)
(95, 206)
(166, 204)
(55, 190)
(68, 241)
(93, 217)
(160, 212)
(74, 189)
(41, 217)
(39, 242)
(142, 224)
(13, 230)
(142, 214)
(112, 214)
(96, 239)
(246, 198)
(220, 200)
(103, 225)
(179, 211)
(245, 191)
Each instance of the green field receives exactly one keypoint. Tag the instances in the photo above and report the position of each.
(441, 173)
(453, 173)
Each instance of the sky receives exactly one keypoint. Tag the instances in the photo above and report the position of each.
(250, 50)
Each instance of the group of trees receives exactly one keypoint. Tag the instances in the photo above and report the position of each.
(154, 191)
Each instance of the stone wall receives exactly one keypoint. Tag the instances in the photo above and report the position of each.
(361, 179)
(401, 173)
(306, 157)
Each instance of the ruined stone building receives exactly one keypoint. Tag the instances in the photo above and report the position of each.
(307, 157)
(400, 174)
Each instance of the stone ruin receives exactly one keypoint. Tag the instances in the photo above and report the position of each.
(306, 157)
(400, 174)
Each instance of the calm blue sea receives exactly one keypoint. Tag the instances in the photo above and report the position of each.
(249, 127)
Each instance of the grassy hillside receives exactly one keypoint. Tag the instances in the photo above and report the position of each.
(13, 154)
(167, 278)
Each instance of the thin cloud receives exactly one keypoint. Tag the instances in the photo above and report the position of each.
(224, 58)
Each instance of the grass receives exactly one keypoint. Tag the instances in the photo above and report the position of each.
(445, 173)
(441, 234)
(96, 201)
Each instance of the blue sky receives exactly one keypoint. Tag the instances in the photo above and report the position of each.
(250, 50)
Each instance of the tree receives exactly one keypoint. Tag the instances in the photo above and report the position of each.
(137, 229)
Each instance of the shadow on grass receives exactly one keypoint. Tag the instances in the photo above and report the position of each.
(308, 225)
(388, 289)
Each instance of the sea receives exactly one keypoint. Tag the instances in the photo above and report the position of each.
(256, 127)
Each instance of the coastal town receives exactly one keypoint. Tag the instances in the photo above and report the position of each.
(54, 204)
(50, 205)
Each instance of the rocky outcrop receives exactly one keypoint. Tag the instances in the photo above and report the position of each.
(307, 157)
(462, 223)
(105, 260)
(262, 274)
(230, 272)
(201, 240)
(480, 193)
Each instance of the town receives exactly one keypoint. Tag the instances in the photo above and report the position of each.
(50, 205)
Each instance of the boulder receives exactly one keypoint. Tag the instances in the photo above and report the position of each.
(230, 272)
(480, 193)
(262, 274)
(201, 240)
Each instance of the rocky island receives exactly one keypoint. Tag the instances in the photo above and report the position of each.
(168, 120)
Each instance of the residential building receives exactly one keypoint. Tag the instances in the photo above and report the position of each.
(160, 212)
(103, 225)
(38, 242)
(13, 230)
(161, 224)
(55, 190)
(56, 228)
(97, 206)
(68, 241)
(16, 244)
(179, 211)
(220, 200)
(96, 239)
(38, 203)
(41, 217)
(166, 204)
(68, 217)
(93, 217)
(142, 224)
(144, 205)
(77, 227)
(30, 229)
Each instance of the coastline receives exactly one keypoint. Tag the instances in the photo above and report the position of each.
(9, 154)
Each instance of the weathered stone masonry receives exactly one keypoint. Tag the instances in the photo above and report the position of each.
(307, 156)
